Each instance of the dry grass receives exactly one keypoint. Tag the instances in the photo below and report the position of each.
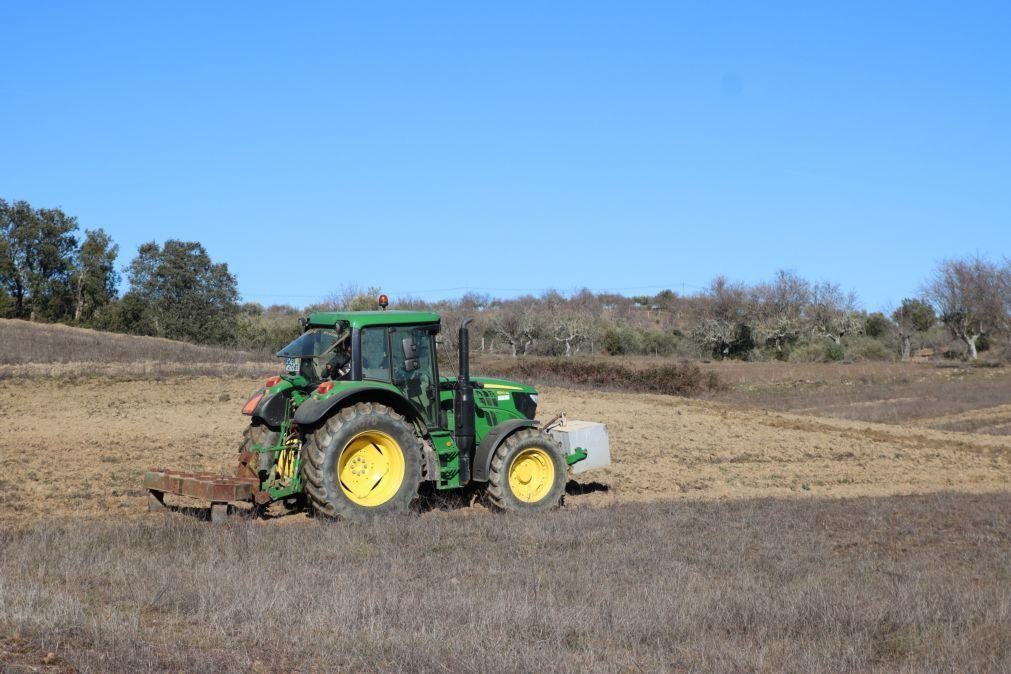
(24, 342)
(945, 396)
(902, 583)
(771, 373)
(927, 395)
(148, 370)
(994, 420)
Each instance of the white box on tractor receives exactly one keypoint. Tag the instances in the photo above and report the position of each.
(589, 436)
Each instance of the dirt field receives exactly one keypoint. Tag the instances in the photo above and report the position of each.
(78, 449)
(943, 396)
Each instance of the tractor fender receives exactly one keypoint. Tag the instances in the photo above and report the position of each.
(481, 468)
(271, 409)
(311, 412)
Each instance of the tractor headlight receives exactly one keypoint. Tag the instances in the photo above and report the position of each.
(526, 403)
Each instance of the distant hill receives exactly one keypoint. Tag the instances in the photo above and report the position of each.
(22, 342)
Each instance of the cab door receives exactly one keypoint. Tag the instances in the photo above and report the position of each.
(414, 369)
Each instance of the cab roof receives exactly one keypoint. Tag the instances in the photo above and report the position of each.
(364, 319)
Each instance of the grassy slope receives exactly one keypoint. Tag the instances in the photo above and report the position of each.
(44, 351)
(24, 342)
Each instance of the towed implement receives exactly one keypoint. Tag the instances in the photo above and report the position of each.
(361, 417)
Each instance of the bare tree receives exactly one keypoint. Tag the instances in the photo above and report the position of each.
(516, 323)
(475, 302)
(534, 327)
(721, 312)
(713, 335)
(830, 313)
(973, 298)
(586, 303)
(570, 329)
(726, 301)
(779, 308)
(350, 297)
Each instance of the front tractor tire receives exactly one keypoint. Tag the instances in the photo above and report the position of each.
(528, 473)
(363, 462)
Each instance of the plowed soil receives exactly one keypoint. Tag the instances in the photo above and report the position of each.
(79, 449)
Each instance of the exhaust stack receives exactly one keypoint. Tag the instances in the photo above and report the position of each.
(463, 404)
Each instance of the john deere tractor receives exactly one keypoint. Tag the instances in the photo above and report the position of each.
(361, 417)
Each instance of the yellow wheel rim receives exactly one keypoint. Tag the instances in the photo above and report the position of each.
(531, 475)
(371, 468)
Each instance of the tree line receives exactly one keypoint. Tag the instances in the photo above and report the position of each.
(963, 308)
(51, 271)
(787, 318)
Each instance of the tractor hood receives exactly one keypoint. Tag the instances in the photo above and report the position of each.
(499, 399)
(502, 384)
(494, 384)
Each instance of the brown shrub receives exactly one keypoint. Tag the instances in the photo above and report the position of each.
(678, 379)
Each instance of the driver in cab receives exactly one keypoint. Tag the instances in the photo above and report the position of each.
(339, 366)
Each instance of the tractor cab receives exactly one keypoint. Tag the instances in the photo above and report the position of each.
(394, 350)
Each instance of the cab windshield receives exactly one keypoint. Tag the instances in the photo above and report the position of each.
(313, 343)
(314, 350)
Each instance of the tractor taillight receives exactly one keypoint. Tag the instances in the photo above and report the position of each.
(251, 404)
(325, 387)
(272, 382)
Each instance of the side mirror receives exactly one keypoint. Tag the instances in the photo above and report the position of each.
(303, 324)
(411, 350)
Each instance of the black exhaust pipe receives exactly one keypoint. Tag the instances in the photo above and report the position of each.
(463, 405)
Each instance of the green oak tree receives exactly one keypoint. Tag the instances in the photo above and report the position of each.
(95, 276)
(37, 251)
(187, 296)
(913, 316)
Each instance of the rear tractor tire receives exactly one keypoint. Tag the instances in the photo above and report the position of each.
(256, 464)
(363, 462)
(528, 473)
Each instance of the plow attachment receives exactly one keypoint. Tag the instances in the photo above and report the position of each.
(203, 486)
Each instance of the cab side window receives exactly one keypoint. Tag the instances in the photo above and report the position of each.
(375, 354)
(417, 377)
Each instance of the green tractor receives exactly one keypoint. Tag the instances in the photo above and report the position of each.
(360, 418)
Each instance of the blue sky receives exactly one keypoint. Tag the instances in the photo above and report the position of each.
(429, 148)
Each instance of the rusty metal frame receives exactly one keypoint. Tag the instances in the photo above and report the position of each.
(205, 486)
